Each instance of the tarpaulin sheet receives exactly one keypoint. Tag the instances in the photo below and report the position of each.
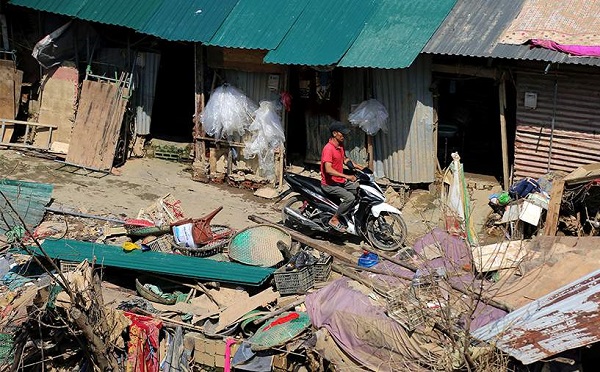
(363, 330)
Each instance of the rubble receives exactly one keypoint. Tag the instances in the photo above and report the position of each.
(86, 290)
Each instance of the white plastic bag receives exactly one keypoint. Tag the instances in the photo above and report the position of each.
(267, 136)
(370, 116)
(227, 112)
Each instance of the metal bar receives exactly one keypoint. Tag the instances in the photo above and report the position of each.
(103, 78)
(84, 167)
(85, 215)
(232, 144)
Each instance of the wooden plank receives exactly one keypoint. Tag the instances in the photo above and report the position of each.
(558, 187)
(7, 95)
(58, 105)
(504, 255)
(503, 137)
(238, 310)
(97, 125)
(335, 252)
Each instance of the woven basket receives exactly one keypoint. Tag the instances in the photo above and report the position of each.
(257, 245)
(269, 336)
(151, 296)
(209, 249)
(147, 230)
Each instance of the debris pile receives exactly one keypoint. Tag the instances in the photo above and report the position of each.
(163, 290)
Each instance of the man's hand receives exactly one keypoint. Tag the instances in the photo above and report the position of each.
(351, 178)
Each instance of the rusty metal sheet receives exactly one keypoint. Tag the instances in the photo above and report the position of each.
(565, 319)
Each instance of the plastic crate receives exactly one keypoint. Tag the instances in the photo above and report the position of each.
(66, 266)
(322, 268)
(298, 281)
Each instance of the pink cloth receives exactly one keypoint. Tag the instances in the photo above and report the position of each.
(575, 50)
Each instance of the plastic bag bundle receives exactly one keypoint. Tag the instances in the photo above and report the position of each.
(267, 136)
(227, 112)
(370, 116)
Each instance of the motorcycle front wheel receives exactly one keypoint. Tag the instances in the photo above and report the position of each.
(386, 232)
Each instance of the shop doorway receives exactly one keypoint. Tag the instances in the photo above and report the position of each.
(469, 123)
(173, 109)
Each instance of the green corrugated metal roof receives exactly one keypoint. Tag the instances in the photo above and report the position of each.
(396, 33)
(156, 262)
(128, 13)
(29, 199)
(258, 24)
(64, 7)
(323, 32)
(188, 20)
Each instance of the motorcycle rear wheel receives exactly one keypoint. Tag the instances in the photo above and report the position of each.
(386, 232)
(296, 203)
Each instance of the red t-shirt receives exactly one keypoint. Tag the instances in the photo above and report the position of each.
(335, 155)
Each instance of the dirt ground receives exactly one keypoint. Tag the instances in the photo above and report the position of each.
(141, 181)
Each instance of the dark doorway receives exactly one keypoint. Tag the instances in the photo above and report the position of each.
(316, 102)
(173, 109)
(469, 122)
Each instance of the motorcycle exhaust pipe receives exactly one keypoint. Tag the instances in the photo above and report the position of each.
(302, 220)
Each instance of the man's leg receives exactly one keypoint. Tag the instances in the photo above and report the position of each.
(347, 198)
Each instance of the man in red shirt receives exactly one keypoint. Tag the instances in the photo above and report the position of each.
(333, 180)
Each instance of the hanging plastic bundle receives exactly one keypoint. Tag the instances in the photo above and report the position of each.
(456, 202)
(267, 136)
(227, 112)
(370, 116)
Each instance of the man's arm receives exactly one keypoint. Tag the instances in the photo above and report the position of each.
(356, 165)
(332, 172)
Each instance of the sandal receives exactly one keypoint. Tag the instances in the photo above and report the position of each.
(337, 227)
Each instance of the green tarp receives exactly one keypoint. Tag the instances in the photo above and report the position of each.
(29, 199)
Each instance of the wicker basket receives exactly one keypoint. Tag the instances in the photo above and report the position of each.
(209, 249)
(151, 296)
(163, 243)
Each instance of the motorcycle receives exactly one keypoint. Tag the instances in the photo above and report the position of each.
(370, 218)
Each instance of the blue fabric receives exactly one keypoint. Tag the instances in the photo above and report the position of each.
(246, 360)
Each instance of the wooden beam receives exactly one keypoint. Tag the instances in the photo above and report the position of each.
(476, 71)
(503, 137)
(370, 152)
(335, 252)
(558, 187)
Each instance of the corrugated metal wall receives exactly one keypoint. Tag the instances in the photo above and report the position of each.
(406, 153)
(575, 140)
(254, 84)
(353, 94)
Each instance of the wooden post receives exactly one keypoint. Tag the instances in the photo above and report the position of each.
(284, 117)
(558, 187)
(436, 124)
(200, 172)
(503, 138)
(370, 151)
